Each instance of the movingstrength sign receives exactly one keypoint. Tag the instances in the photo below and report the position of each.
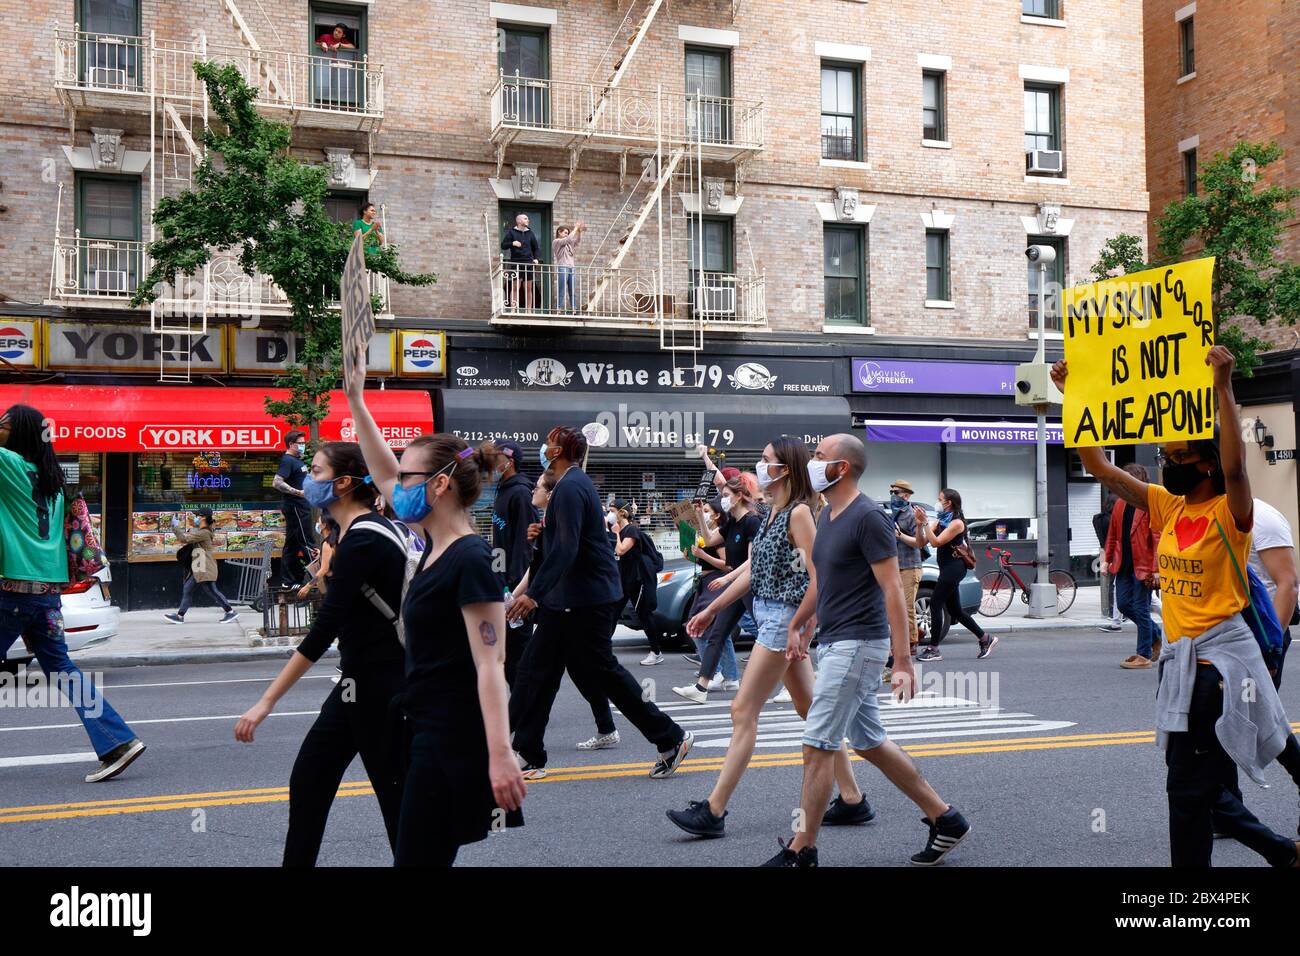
(1136, 349)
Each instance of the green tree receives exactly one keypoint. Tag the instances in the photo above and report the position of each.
(1239, 222)
(270, 207)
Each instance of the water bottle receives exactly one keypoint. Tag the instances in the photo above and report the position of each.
(510, 599)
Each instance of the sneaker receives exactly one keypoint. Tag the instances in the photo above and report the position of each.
(841, 814)
(692, 693)
(600, 742)
(1110, 626)
(945, 833)
(788, 857)
(651, 659)
(116, 760)
(670, 760)
(698, 820)
(986, 647)
(693, 659)
(229, 617)
(929, 653)
(529, 771)
(173, 619)
(731, 684)
(717, 682)
(783, 697)
(1135, 662)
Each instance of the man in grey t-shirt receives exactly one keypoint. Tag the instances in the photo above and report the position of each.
(858, 602)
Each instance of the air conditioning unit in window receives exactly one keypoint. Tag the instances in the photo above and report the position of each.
(1043, 161)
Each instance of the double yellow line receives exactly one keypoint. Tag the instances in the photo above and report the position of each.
(357, 788)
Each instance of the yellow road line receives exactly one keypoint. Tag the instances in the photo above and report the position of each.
(356, 788)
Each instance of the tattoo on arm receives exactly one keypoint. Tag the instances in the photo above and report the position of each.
(488, 633)
(1127, 487)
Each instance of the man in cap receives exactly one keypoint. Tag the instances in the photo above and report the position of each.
(909, 554)
(512, 513)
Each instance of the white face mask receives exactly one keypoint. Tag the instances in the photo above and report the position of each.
(765, 478)
(817, 473)
(611, 519)
(726, 503)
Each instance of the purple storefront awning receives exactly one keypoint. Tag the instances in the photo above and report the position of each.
(933, 378)
(962, 432)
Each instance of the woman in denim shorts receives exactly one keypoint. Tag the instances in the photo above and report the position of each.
(778, 575)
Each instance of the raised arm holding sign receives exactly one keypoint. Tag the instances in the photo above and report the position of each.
(358, 320)
(1137, 349)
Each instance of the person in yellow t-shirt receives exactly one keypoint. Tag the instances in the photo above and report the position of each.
(1203, 514)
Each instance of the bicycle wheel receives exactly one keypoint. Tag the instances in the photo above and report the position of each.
(996, 591)
(1065, 589)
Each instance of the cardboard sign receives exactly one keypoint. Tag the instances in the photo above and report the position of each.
(354, 306)
(1136, 348)
(684, 512)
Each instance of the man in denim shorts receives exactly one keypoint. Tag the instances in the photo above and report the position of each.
(857, 597)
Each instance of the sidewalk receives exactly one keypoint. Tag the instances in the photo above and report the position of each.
(144, 638)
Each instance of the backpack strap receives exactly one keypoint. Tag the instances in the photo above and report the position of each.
(1245, 585)
(385, 530)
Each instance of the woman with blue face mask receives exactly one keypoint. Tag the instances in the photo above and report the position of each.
(363, 584)
(460, 766)
(944, 534)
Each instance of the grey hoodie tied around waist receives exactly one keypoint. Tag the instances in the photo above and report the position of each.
(1253, 727)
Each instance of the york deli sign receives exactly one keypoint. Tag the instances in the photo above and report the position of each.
(185, 438)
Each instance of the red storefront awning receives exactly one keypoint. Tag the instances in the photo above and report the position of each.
(99, 418)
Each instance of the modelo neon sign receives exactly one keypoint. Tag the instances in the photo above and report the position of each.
(198, 480)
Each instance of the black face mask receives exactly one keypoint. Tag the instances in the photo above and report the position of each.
(1182, 479)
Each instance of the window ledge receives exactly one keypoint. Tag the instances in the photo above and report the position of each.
(1048, 335)
(1042, 21)
(1047, 179)
(845, 164)
(1185, 77)
(849, 329)
(940, 304)
(936, 143)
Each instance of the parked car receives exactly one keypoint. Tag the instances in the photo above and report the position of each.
(678, 585)
(88, 618)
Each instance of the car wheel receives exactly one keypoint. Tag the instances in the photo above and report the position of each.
(923, 613)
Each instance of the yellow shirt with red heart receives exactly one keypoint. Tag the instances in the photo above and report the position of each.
(1199, 587)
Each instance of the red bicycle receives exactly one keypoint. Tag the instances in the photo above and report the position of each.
(998, 586)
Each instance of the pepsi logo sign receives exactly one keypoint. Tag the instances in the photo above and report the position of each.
(422, 353)
(14, 343)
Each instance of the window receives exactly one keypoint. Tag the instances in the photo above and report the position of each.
(708, 92)
(1187, 38)
(996, 483)
(841, 112)
(844, 275)
(1043, 128)
(1055, 282)
(338, 45)
(1041, 8)
(936, 266)
(107, 61)
(713, 287)
(345, 207)
(933, 120)
(524, 59)
(1189, 172)
(109, 251)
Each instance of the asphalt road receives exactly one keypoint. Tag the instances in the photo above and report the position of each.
(1046, 747)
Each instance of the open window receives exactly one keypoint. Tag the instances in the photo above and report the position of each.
(338, 46)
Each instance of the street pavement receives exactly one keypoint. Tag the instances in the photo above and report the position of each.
(1046, 746)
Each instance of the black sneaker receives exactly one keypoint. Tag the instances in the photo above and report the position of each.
(929, 654)
(841, 814)
(788, 857)
(692, 659)
(670, 760)
(945, 833)
(698, 820)
(116, 760)
(986, 646)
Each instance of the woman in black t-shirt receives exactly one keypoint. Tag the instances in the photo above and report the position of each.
(366, 571)
(462, 771)
(640, 583)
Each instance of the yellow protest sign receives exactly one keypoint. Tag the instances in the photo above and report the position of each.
(1136, 349)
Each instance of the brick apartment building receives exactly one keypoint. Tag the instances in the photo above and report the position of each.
(801, 218)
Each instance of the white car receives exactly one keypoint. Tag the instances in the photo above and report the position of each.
(88, 618)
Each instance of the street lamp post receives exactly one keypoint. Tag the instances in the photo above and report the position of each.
(1032, 389)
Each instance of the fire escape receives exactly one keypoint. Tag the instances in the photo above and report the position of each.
(649, 268)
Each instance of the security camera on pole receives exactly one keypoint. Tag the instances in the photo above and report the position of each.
(1034, 387)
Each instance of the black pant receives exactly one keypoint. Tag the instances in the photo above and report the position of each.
(579, 640)
(714, 641)
(293, 556)
(1202, 787)
(354, 719)
(945, 597)
(517, 639)
(645, 601)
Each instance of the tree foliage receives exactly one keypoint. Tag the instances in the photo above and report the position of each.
(269, 208)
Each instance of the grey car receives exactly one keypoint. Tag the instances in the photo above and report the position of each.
(678, 584)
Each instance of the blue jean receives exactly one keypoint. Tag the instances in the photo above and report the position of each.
(565, 282)
(207, 587)
(1134, 600)
(845, 701)
(39, 618)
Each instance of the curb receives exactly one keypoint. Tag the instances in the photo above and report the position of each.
(147, 659)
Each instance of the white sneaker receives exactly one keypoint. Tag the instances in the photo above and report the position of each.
(652, 658)
(717, 682)
(783, 697)
(731, 685)
(600, 742)
(692, 693)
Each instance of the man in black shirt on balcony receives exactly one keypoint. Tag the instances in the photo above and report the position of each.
(523, 253)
